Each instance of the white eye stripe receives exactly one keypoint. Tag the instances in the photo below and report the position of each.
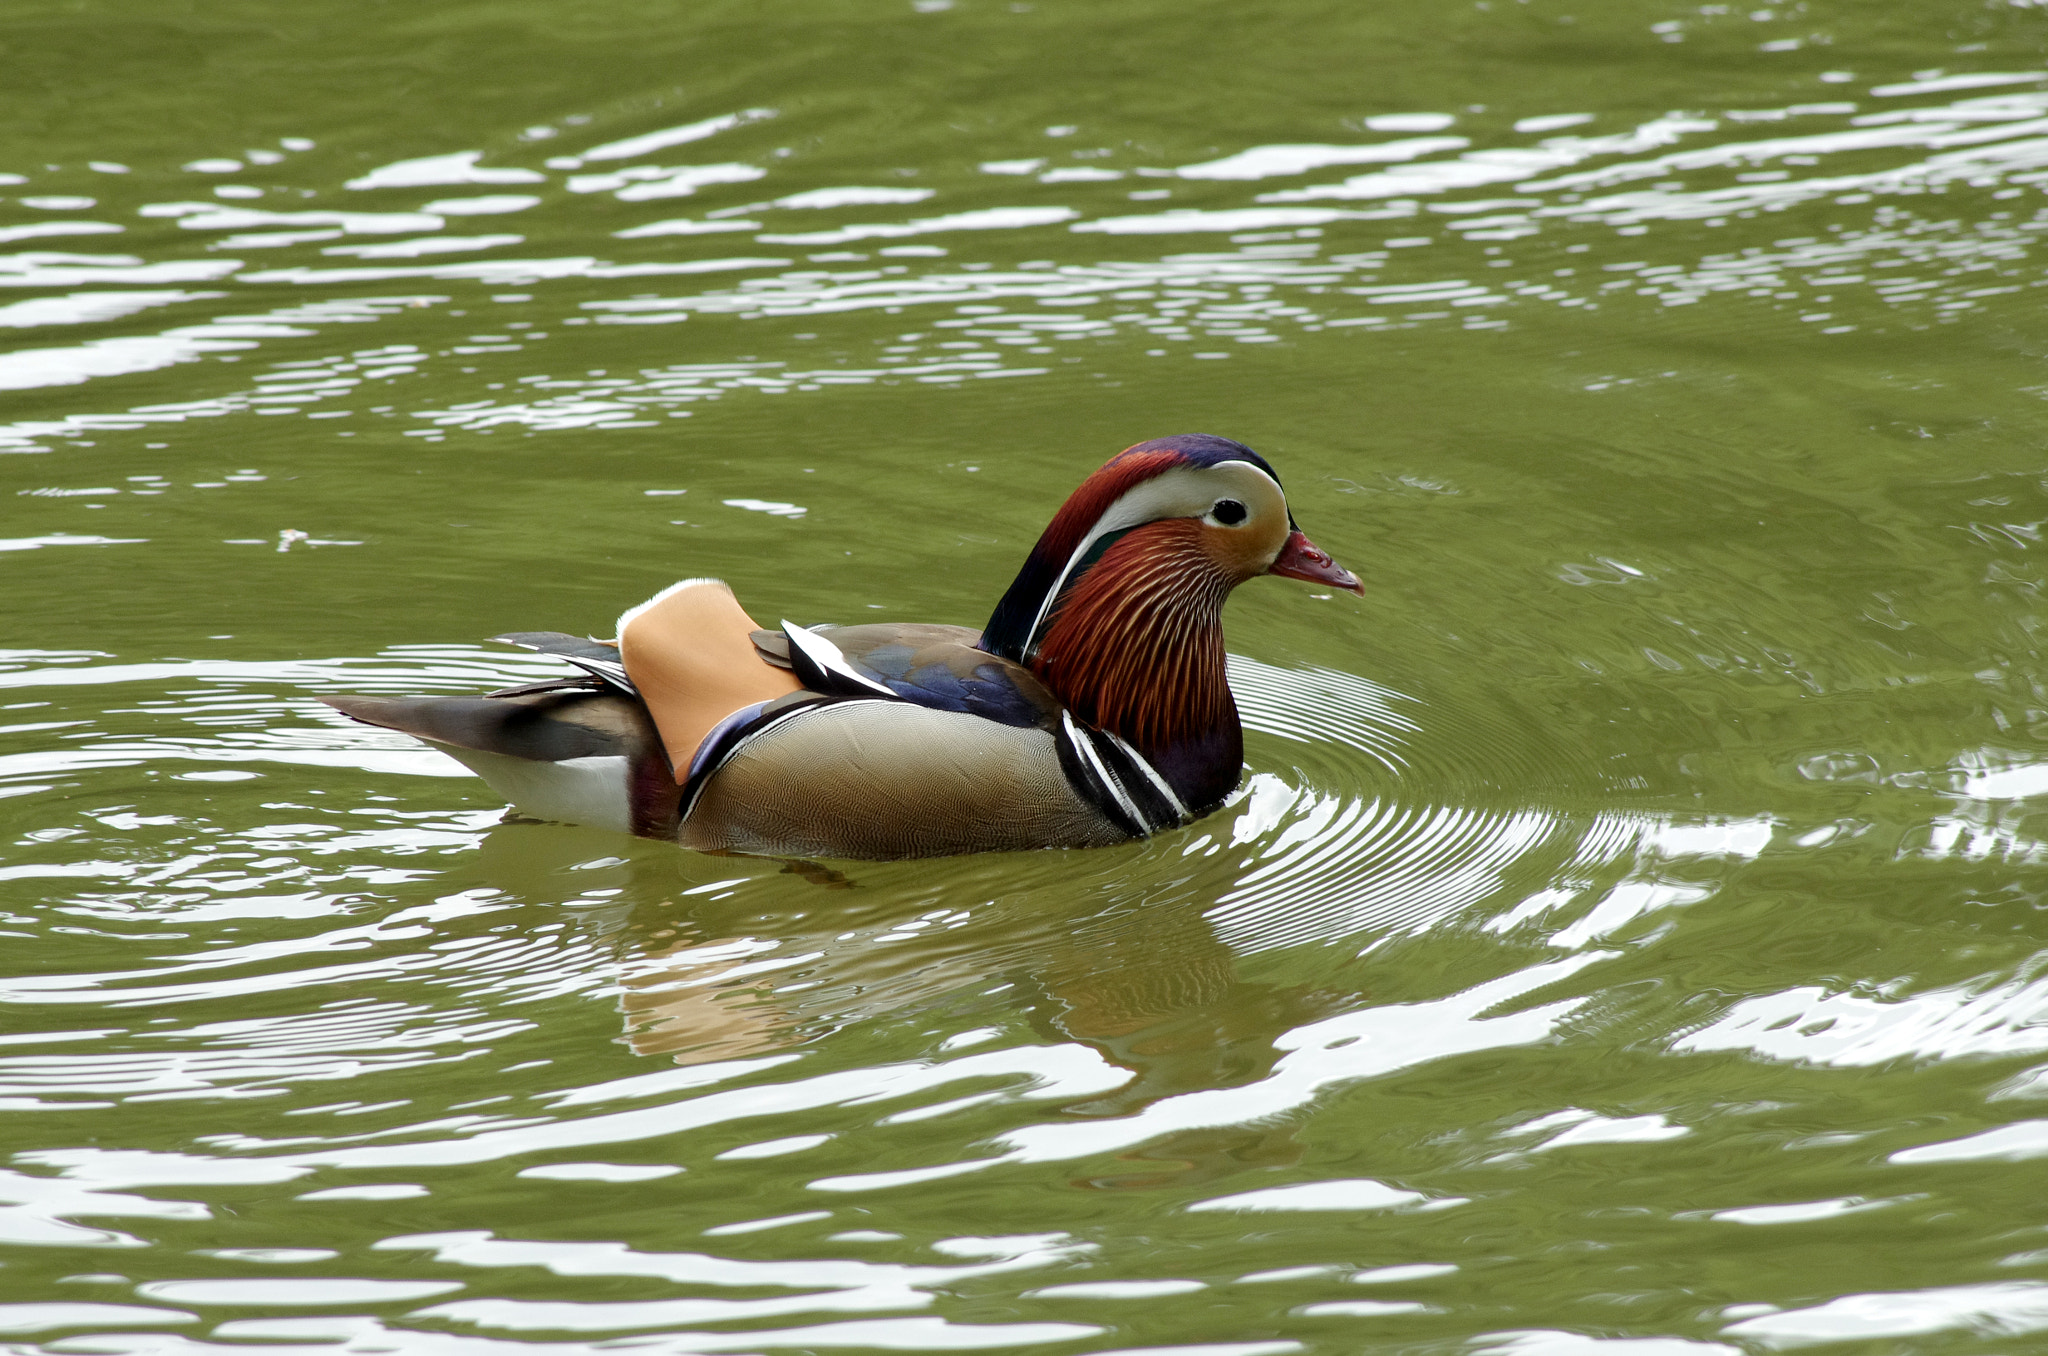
(1184, 492)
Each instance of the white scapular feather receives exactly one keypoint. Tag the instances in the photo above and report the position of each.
(829, 657)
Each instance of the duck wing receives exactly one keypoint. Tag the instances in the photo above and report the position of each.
(926, 664)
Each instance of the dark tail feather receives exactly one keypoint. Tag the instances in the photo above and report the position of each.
(598, 658)
(545, 727)
(561, 643)
(514, 743)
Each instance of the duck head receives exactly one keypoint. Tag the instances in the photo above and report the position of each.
(1119, 608)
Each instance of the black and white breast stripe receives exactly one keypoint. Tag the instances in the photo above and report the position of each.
(1115, 778)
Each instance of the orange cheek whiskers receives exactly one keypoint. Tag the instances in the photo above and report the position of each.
(1136, 647)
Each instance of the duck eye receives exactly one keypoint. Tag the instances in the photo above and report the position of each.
(1228, 512)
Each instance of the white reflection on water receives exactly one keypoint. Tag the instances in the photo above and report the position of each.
(647, 143)
(89, 308)
(1349, 1047)
(297, 1290)
(1548, 1342)
(1265, 162)
(455, 167)
(825, 1285)
(1847, 1030)
(43, 1211)
(2002, 1310)
(1804, 1211)
(40, 229)
(2007, 1144)
(913, 1334)
(31, 1318)
(1355, 1194)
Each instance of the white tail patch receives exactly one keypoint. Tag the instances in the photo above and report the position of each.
(589, 791)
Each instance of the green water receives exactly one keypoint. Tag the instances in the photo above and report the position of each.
(1628, 938)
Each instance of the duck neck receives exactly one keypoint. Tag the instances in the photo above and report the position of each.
(1135, 647)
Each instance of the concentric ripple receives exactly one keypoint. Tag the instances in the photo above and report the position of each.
(1381, 823)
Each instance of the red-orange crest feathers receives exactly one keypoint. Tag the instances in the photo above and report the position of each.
(1009, 630)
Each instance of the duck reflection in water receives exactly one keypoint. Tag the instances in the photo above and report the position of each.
(1142, 979)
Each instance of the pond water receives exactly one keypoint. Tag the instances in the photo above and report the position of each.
(1629, 934)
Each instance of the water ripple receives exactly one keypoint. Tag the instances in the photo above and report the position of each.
(1294, 269)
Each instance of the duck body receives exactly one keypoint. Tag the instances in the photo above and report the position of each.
(1092, 710)
(954, 762)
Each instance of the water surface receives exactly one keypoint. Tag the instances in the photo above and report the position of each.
(1625, 934)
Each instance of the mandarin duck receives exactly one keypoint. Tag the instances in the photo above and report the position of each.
(1092, 709)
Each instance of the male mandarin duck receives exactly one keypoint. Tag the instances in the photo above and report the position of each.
(1092, 709)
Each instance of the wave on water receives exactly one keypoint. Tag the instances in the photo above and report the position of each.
(1419, 237)
(403, 1006)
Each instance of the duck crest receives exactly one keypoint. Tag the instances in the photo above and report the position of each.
(1010, 630)
(1018, 623)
